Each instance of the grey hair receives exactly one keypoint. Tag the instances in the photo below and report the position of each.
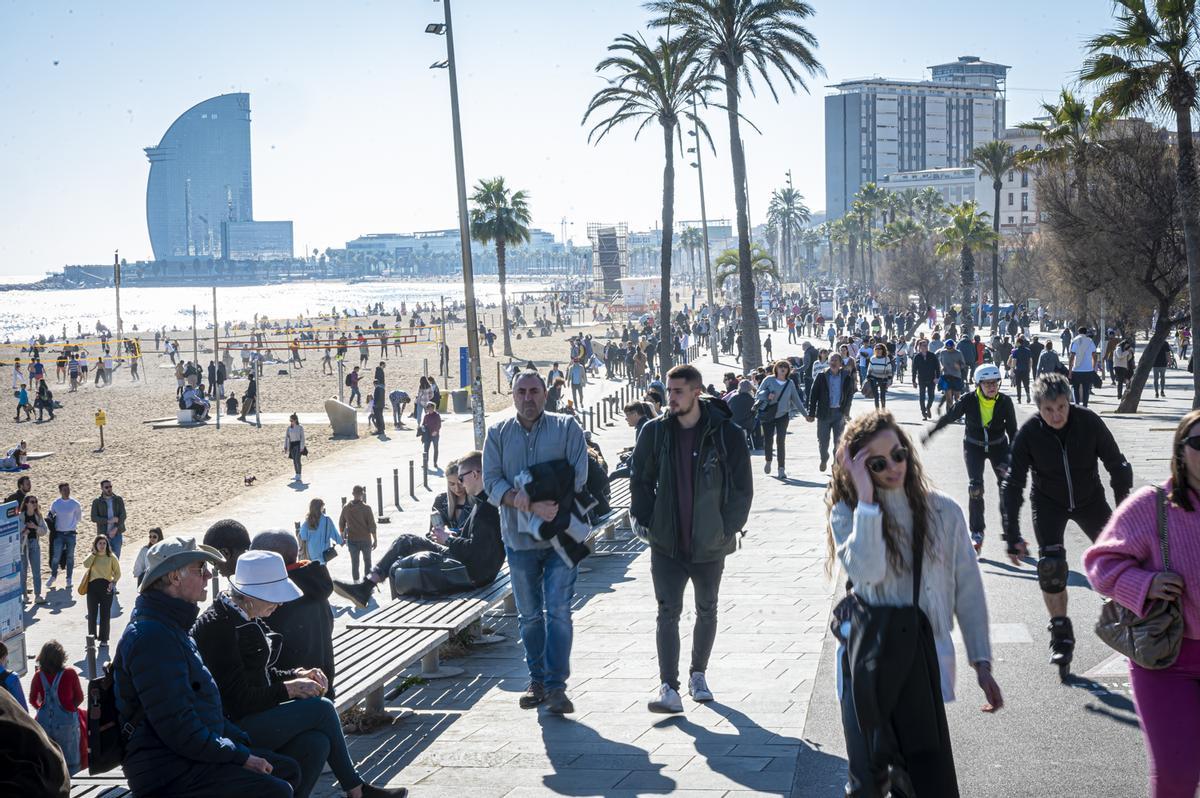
(277, 540)
(1049, 387)
(526, 373)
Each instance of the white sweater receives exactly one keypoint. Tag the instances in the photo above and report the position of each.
(951, 585)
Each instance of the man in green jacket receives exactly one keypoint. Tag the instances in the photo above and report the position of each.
(690, 494)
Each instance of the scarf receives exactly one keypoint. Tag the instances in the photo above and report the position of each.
(986, 407)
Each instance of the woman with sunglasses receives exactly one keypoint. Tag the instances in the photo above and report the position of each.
(991, 426)
(1126, 565)
(880, 506)
(102, 571)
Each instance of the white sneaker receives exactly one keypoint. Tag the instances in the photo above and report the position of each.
(698, 687)
(668, 701)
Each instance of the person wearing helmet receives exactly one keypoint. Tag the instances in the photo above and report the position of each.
(991, 425)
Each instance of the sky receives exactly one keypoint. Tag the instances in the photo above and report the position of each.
(351, 129)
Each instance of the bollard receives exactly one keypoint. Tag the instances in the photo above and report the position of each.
(380, 518)
(425, 478)
(396, 486)
(412, 479)
(91, 657)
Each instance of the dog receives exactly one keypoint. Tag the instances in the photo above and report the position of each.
(250, 479)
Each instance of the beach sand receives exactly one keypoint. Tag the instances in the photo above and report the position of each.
(168, 475)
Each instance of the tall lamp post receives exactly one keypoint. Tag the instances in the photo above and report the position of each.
(447, 29)
(699, 165)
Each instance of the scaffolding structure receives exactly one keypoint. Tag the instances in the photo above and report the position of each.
(610, 256)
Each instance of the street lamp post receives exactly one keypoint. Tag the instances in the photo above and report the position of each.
(712, 308)
(464, 231)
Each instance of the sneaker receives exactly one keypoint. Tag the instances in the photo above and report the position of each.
(357, 592)
(668, 701)
(977, 541)
(767, 467)
(50, 582)
(534, 694)
(69, 585)
(823, 464)
(558, 703)
(698, 687)
(40, 599)
(782, 473)
(371, 791)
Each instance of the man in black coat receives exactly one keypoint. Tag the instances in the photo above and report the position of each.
(836, 383)
(305, 624)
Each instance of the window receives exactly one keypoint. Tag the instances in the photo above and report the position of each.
(1024, 220)
(1024, 180)
(1024, 200)
(1010, 176)
(1010, 220)
(1010, 198)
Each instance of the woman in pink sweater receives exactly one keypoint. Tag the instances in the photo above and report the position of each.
(1126, 564)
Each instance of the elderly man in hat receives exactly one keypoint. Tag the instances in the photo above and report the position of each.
(177, 740)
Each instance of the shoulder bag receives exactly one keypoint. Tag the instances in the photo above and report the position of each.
(1154, 639)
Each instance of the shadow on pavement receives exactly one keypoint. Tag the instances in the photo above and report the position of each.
(567, 780)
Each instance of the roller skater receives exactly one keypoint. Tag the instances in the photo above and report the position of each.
(1063, 445)
(991, 425)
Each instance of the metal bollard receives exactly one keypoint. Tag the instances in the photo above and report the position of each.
(412, 479)
(91, 657)
(396, 486)
(381, 518)
(425, 478)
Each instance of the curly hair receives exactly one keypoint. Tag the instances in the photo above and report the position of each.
(858, 433)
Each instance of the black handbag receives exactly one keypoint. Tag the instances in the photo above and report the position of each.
(1152, 640)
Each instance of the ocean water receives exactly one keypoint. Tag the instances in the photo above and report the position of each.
(26, 313)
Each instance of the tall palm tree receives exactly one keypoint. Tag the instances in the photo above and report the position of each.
(967, 231)
(693, 241)
(863, 215)
(762, 265)
(1070, 133)
(994, 159)
(837, 234)
(501, 217)
(908, 197)
(789, 213)
(873, 201)
(745, 38)
(646, 85)
(931, 206)
(1149, 60)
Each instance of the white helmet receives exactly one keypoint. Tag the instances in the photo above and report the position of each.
(988, 372)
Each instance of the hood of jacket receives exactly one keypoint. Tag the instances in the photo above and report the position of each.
(312, 578)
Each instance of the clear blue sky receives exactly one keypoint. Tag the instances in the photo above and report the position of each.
(351, 129)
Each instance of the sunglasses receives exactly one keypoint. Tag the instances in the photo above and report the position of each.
(878, 463)
(1192, 442)
(464, 474)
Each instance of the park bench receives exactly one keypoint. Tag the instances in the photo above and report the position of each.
(606, 525)
(107, 786)
(366, 658)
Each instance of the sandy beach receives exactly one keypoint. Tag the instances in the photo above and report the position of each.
(168, 475)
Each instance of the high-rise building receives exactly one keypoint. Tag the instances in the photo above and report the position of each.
(877, 127)
(199, 200)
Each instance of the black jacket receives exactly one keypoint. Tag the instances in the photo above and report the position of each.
(479, 546)
(722, 489)
(306, 624)
(925, 367)
(241, 656)
(741, 405)
(1000, 432)
(157, 670)
(818, 397)
(1066, 475)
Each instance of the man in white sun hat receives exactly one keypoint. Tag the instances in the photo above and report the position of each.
(177, 741)
(282, 709)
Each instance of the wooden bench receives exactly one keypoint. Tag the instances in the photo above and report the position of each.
(106, 786)
(440, 615)
(618, 512)
(366, 659)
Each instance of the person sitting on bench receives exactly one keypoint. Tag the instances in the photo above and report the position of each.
(451, 563)
(193, 399)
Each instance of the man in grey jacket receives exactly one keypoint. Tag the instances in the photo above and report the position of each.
(108, 513)
(542, 581)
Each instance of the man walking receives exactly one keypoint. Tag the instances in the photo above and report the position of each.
(925, 372)
(543, 581)
(577, 376)
(690, 490)
(829, 403)
(357, 525)
(67, 514)
(108, 513)
(1082, 365)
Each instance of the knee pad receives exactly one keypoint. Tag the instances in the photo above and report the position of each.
(1053, 570)
(975, 489)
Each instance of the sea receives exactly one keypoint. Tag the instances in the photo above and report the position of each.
(24, 313)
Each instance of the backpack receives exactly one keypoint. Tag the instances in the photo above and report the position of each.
(60, 724)
(347, 380)
(106, 736)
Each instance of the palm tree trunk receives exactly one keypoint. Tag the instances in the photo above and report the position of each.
(502, 274)
(666, 348)
(996, 185)
(1185, 175)
(966, 282)
(751, 347)
(871, 254)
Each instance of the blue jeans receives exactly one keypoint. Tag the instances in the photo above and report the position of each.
(32, 561)
(63, 541)
(543, 586)
(309, 731)
(114, 544)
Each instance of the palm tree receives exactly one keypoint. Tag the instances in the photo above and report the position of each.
(967, 231)
(503, 218)
(1070, 132)
(994, 159)
(931, 205)
(1150, 60)
(839, 237)
(787, 211)
(653, 84)
(745, 38)
(693, 241)
(873, 201)
(863, 215)
(762, 265)
(908, 198)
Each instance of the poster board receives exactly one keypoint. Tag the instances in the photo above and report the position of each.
(12, 607)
